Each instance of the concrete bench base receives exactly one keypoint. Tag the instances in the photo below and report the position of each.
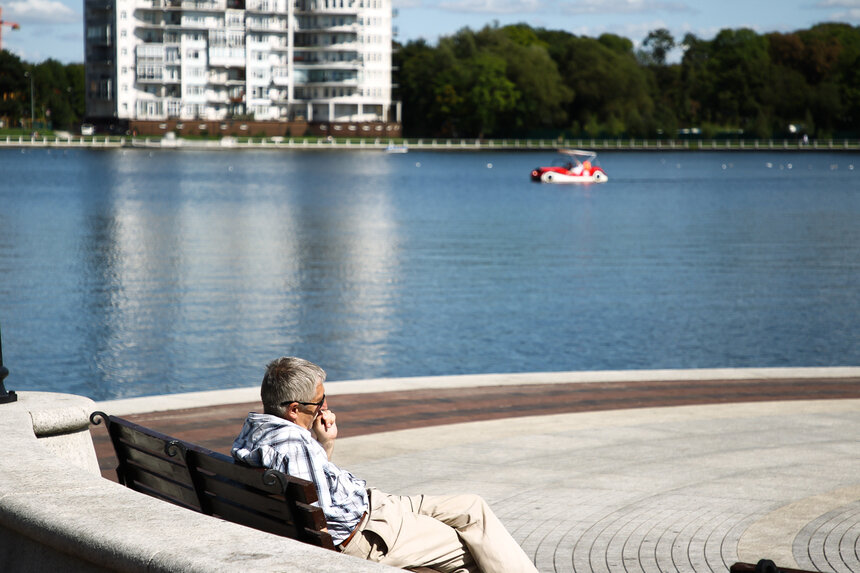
(58, 513)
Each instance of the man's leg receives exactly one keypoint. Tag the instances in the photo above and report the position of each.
(477, 526)
(419, 541)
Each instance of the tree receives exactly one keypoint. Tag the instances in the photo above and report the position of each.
(58, 91)
(518, 80)
(609, 85)
(528, 65)
(490, 93)
(656, 46)
(13, 88)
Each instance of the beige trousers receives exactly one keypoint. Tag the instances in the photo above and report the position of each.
(448, 533)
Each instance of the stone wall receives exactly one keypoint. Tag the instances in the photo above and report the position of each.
(58, 513)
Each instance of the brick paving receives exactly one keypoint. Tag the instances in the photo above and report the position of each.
(604, 476)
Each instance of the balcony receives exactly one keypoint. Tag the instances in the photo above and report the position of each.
(226, 56)
(329, 83)
(280, 75)
(328, 78)
(273, 24)
(318, 95)
(312, 61)
(327, 24)
(325, 7)
(265, 6)
(217, 97)
(235, 80)
(149, 75)
(205, 5)
(312, 43)
(151, 52)
(156, 4)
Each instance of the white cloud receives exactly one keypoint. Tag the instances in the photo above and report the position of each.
(623, 7)
(838, 4)
(491, 6)
(636, 32)
(847, 15)
(852, 13)
(40, 12)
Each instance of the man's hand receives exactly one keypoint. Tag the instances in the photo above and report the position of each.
(325, 430)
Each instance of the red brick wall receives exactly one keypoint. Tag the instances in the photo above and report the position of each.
(265, 128)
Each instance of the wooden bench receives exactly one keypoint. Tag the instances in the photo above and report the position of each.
(763, 566)
(214, 484)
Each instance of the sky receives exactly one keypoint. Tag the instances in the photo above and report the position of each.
(54, 28)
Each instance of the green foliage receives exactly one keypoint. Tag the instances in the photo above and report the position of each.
(516, 80)
(58, 92)
(656, 46)
(13, 88)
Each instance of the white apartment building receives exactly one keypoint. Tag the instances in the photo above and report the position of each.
(258, 60)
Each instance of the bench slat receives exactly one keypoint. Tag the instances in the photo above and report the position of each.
(301, 515)
(312, 516)
(139, 436)
(145, 482)
(238, 514)
(210, 482)
(318, 538)
(157, 465)
(275, 507)
(297, 488)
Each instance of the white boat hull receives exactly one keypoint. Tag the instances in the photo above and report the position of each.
(556, 177)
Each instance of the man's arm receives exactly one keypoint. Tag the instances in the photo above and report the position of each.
(325, 431)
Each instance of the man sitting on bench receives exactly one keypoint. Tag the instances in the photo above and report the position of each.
(296, 435)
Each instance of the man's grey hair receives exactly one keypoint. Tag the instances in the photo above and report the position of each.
(289, 379)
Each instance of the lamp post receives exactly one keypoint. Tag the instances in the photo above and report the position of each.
(32, 114)
(5, 396)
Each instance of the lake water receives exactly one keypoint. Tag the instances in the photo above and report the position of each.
(128, 273)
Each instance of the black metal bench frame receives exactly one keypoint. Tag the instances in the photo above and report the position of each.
(208, 482)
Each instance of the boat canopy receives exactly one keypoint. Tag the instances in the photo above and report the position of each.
(578, 153)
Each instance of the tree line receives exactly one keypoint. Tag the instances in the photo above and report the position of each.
(57, 98)
(519, 81)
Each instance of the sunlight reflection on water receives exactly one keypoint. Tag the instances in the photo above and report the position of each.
(132, 273)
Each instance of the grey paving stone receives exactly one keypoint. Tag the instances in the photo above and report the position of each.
(652, 493)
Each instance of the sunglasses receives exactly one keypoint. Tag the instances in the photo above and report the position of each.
(315, 404)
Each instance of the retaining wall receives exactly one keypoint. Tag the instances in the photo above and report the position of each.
(58, 513)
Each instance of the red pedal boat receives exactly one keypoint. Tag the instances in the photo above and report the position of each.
(577, 167)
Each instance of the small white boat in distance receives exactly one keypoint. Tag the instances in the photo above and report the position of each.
(396, 148)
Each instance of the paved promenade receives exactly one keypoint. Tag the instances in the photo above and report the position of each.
(627, 471)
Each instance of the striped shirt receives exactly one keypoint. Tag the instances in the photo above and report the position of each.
(273, 442)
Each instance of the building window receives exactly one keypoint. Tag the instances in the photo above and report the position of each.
(104, 89)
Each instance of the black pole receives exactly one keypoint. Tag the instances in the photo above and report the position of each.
(5, 397)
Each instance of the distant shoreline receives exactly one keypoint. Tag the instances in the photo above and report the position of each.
(422, 144)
